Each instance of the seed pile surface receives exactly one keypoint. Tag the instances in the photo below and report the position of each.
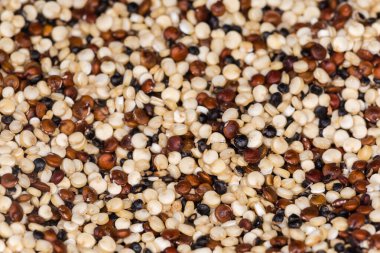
(189, 126)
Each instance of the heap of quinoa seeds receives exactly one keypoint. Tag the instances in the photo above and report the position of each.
(189, 126)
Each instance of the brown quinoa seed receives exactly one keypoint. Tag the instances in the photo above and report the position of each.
(179, 52)
(223, 213)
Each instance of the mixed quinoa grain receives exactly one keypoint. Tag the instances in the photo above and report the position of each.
(189, 126)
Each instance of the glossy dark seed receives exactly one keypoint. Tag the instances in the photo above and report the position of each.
(203, 209)
(136, 247)
(220, 187)
(269, 131)
(275, 99)
(116, 79)
(283, 88)
(38, 235)
(240, 141)
(137, 205)
(294, 221)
